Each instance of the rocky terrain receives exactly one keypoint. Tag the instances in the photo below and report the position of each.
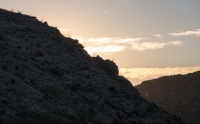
(46, 78)
(179, 94)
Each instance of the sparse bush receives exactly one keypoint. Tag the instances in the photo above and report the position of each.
(163, 107)
(19, 47)
(118, 121)
(75, 86)
(68, 34)
(88, 76)
(56, 71)
(94, 54)
(4, 101)
(92, 110)
(20, 12)
(128, 96)
(49, 118)
(107, 101)
(112, 88)
(5, 67)
(151, 107)
(38, 53)
(16, 67)
(38, 44)
(12, 80)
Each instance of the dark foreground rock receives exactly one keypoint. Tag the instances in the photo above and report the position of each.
(179, 94)
(46, 78)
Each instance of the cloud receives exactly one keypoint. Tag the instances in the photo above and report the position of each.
(100, 41)
(106, 44)
(126, 40)
(187, 33)
(115, 40)
(142, 74)
(105, 12)
(117, 44)
(140, 46)
(103, 49)
(159, 36)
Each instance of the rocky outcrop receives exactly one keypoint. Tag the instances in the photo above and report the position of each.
(46, 78)
(178, 94)
(108, 66)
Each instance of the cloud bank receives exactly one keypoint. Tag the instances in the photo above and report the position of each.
(140, 46)
(186, 33)
(105, 44)
(142, 74)
(100, 49)
(115, 40)
(160, 36)
(118, 44)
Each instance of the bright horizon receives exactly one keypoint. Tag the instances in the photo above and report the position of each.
(146, 40)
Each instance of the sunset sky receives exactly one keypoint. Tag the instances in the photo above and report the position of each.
(145, 38)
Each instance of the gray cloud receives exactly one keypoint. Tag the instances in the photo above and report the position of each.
(186, 33)
(140, 46)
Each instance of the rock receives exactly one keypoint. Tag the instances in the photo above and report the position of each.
(108, 66)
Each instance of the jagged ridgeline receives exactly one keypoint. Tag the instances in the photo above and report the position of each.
(46, 78)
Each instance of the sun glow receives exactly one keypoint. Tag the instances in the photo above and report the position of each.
(142, 74)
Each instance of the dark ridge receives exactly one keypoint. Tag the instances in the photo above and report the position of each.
(46, 78)
(178, 94)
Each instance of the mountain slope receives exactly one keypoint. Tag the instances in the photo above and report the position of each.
(178, 94)
(48, 78)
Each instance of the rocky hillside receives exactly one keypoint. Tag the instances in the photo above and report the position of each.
(46, 78)
(179, 94)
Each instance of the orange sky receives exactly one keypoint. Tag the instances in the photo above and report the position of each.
(146, 39)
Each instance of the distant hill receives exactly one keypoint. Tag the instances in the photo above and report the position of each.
(46, 78)
(178, 94)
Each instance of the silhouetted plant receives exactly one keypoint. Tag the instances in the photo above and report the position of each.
(68, 34)
(56, 71)
(49, 118)
(92, 110)
(20, 12)
(112, 88)
(87, 76)
(128, 96)
(5, 67)
(4, 101)
(118, 121)
(12, 80)
(16, 67)
(38, 53)
(94, 54)
(163, 107)
(151, 108)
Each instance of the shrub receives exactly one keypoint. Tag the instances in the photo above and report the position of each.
(12, 80)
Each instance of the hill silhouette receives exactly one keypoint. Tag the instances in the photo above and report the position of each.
(178, 94)
(46, 78)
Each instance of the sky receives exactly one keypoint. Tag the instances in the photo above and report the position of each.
(147, 39)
